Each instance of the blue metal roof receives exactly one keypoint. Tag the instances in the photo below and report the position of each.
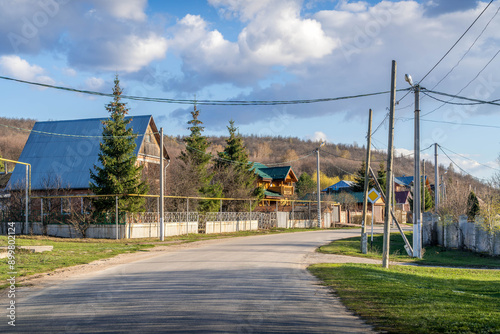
(339, 185)
(407, 180)
(68, 156)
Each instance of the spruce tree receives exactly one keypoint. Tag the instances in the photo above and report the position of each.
(305, 185)
(197, 162)
(118, 173)
(359, 179)
(239, 176)
(472, 206)
(382, 176)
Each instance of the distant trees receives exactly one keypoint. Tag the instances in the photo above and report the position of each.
(118, 173)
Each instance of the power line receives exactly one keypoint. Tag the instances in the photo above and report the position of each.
(478, 74)
(468, 50)
(454, 44)
(202, 102)
(447, 52)
(455, 96)
(453, 162)
(453, 123)
(465, 157)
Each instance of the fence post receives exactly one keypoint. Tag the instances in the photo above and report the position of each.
(116, 216)
(41, 212)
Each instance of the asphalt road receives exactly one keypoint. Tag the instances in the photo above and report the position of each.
(241, 285)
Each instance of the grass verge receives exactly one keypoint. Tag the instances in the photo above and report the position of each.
(433, 255)
(409, 299)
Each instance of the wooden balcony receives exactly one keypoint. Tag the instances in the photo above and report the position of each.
(283, 190)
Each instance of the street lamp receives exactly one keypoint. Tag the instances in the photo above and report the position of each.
(417, 215)
(318, 184)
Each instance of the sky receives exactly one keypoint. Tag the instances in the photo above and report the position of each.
(265, 50)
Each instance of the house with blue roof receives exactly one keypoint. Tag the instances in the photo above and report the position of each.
(339, 186)
(62, 153)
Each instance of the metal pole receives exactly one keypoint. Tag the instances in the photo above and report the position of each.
(436, 178)
(390, 159)
(417, 228)
(162, 190)
(371, 241)
(318, 187)
(367, 181)
(41, 211)
(116, 216)
(26, 210)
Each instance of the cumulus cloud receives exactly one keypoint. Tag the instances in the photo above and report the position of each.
(128, 53)
(94, 83)
(319, 136)
(16, 67)
(130, 9)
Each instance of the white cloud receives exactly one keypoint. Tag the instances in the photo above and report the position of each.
(319, 136)
(94, 83)
(67, 71)
(16, 67)
(129, 9)
(127, 53)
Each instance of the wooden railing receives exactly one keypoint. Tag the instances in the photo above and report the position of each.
(283, 190)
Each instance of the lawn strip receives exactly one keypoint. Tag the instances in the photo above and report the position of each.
(433, 255)
(408, 299)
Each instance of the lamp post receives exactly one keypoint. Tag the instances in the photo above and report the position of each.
(417, 214)
(318, 184)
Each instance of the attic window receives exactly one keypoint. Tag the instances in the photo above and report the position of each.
(148, 138)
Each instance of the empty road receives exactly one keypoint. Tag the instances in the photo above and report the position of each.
(241, 285)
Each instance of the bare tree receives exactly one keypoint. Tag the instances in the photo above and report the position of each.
(454, 203)
(81, 218)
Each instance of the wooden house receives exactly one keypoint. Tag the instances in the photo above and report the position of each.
(278, 182)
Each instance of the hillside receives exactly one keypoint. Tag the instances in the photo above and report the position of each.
(12, 140)
(336, 159)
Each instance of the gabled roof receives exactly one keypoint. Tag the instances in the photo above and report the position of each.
(274, 173)
(405, 180)
(69, 156)
(402, 197)
(341, 185)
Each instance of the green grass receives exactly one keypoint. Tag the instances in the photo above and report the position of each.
(409, 299)
(433, 255)
(69, 252)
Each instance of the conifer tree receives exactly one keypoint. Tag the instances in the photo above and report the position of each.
(472, 206)
(239, 177)
(117, 173)
(382, 176)
(359, 179)
(305, 185)
(197, 161)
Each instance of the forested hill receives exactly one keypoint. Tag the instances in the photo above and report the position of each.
(336, 159)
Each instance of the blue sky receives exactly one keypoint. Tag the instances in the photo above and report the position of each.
(262, 50)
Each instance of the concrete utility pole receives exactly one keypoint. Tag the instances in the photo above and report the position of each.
(436, 178)
(417, 215)
(364, 240)
(318, 184)
(423, 185)
(162, 190)
(390, 159)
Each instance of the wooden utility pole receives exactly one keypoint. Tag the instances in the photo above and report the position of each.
(390, 159)
(364, 237)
